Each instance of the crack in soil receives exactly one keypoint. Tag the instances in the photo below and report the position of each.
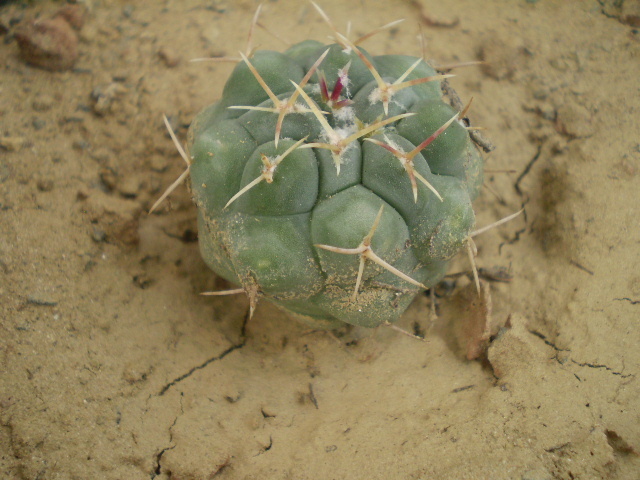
(312, 396)
(630, 20)
(581, 267)
(548, 342)
(609, 369)
(526, 170)
(266, 448)
(514, 239)
(158, 468)
(580, 364)
(232, 348)
(632, 302)
(557, 447)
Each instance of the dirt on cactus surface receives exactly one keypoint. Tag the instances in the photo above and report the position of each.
(112, 366)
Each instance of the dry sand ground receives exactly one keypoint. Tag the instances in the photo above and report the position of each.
(112, 365)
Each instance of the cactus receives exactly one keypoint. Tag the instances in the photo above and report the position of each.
(334, 183)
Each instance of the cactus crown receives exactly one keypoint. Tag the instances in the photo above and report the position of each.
(334, 183)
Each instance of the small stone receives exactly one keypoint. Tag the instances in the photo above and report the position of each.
(102, 155)
(127, 11)
(4, 24)
(75, 15)
(50, 44)
(109, 178)
(547, 111)
(116, 216)
(158, 163)
(42, 102)
(516, 349)
(501, 56)
(71, 119)
(231, 394)
(540, 94)
(5, 173)
(627, 167)
(133, 373)
(143, 280)
(89, 33)
(575, 121)
(98, 235)
(81, 145)
(210, 35)
(129, 187)
(445, 288)
(38, 123)
(631, 13)
(13, 144)
(44, 185)
(104, 95)
(169, 57)
(82, 194)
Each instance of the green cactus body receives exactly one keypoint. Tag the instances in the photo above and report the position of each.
(302, 219)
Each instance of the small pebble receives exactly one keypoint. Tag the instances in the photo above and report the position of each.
(135, 372)
(102, 155)
(169, 57)
(129, 187)
(42, 102)
(81, 145)
(109, 178)
(117, 217)
(630, 13)
(9, 18)
(127, 11)
(50, 44)
(104, 95)
(72, 119)
(540, 94)
(501, 54)
(575, 121)
(5, 173)
(13, 144)
(39, 123)
(98, 235)
(158, 163)
(143, 280)
(75, 15)
(44, 185)
(82, 194)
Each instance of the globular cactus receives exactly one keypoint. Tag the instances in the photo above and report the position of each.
(334, 183)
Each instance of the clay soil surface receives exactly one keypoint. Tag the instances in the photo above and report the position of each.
(112, 366)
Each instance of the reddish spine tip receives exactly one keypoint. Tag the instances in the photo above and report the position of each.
(337, 90)
(342, 103)
(324, 91)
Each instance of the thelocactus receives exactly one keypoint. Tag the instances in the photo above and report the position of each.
(334, 183)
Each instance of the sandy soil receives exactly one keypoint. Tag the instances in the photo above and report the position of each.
(113, 367)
